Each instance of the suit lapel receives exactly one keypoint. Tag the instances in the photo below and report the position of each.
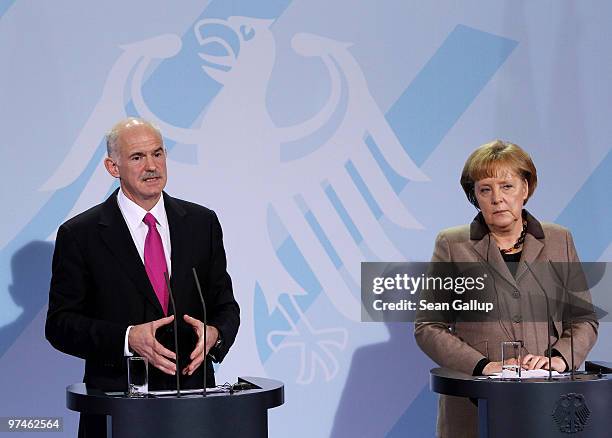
(533, 245)
(486, 248)
(488, 251)
(531, 250)
(116, 235)
(180, 239)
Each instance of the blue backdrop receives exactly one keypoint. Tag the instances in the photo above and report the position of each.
(323, 133)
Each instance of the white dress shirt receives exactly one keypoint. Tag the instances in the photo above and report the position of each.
(133, 214)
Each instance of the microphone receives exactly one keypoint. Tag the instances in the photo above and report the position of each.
(178, 385)
(571, 322)
(197, 282)
(548, 322)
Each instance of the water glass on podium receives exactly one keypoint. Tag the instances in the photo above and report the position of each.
(138, 376)
(511, 359)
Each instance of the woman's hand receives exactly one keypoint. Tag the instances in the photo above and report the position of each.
(495, 367)
(530, 362)
(533, 362)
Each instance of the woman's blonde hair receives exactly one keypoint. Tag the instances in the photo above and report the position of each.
(486, 161)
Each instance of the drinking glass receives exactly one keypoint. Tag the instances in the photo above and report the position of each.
(138, 376)
(511, 359)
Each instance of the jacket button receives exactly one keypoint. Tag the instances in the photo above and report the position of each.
(517, 318)
(516, 294)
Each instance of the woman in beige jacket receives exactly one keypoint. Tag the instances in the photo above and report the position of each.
(498, 179)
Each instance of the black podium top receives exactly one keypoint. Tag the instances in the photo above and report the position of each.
(94, 401)
(451, 382)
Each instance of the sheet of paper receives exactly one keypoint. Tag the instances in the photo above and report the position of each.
(530, 374)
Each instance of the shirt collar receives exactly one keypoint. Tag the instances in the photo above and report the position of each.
(134, 213)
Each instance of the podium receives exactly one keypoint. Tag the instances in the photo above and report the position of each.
(222, 415)
(562, 407)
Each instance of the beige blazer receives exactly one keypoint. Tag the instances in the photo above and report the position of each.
(461, 345)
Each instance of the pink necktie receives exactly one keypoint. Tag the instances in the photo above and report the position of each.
(155, 261)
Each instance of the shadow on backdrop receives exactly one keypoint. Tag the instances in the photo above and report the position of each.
(387, 390)
(31, 275)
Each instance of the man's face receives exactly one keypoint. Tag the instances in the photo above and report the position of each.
(140, 164)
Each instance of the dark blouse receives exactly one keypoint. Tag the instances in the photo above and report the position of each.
(512, 261)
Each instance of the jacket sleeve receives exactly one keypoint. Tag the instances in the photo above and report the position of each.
(70, 327)
(579, 319)
(435, 335)
(223, 310)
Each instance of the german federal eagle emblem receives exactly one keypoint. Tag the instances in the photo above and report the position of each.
(571, 413)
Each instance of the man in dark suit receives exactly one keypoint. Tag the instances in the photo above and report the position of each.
(108, 297)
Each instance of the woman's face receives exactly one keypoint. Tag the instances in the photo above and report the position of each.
(501, 199)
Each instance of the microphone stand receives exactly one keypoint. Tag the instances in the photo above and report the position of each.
(197, 282)
(549, 352)
(178, 384)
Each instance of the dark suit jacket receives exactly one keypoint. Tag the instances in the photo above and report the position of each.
(99, 287)
(461, 345)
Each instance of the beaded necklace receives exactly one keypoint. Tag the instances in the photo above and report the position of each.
(519, 241)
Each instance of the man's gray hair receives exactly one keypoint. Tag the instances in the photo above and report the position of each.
(112, 136)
